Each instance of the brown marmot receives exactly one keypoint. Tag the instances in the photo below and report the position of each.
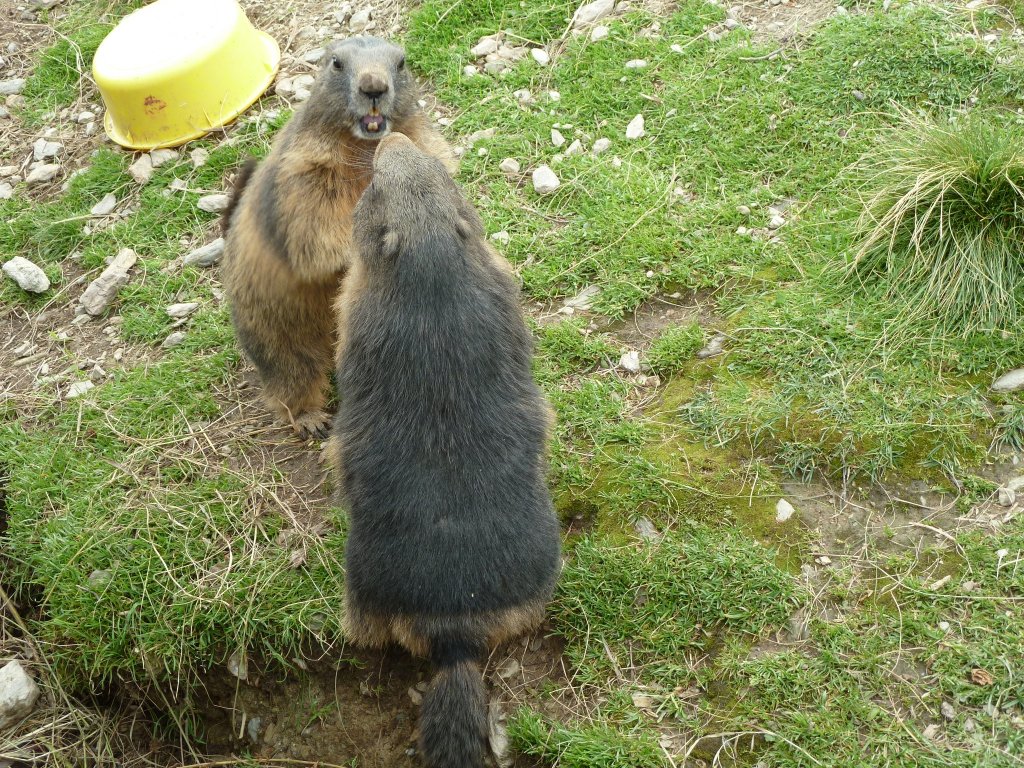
(440, 445)
(289, 225)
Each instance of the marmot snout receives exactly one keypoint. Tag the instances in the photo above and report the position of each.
(289, 226)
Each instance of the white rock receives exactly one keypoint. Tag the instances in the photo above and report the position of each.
(776, 222)
(486, 45)
(304, 81)
(495, 67)
(85, 117)
(78, 388)
(206, 256)
(469, 70)
(601, 145)
(44, 150)
(714, 347)
(285, 88)
(105, 206)
(630, 361)
(576, 148)
(591, 13)
(302, 94)
(313, 56)
(1007, 497)
(184, 309)
(732, 24)
(599, 32)
(42, 174)
(557, 138)
(944, 626)
(486, 133)
(554, 96)
(635, 129)
(18, 693)
(360, 20)
(540, 56)
(90, 129)
(160, 156)
(142, 169)
(509, 166)
(523, 96)
(27, 275)
(213, 203)
(947, 710)
(173, 340)
(6, 191)
(783, 511)
(544, 180)
(12, 87)
(199, 157)
(1009, 382)
(103, 289)
(636, 63)
(502, 237)
(676, 48)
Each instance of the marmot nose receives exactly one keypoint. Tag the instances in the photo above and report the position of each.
(373, 85)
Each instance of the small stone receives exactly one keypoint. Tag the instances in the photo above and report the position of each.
(931, 732)
(823, 560)
(18, 694)
(12, 87)
(96, 374)
(714, 347)
(743, 210)
(1007, 497)
(676, 48)
(252, 728)
(199, 157)
(509, 166)
(302, 94)
(486, 45)
(598, 33)
(415, 696)
(643, 701)
(859, 95)
(947, 710)
(9, 170)
(576, 148)
(142, 169)
(303, 81)
(42, 173)
(173, 340)
(635, 129)
(540, 56)
(27, 275)
(502, 237)
(184, 309)
(601, 145)
(285, 88)
(99, 578)
(44, 150)
(206, 256)
(481, 135)
(78, 389)
(557, 138)
(646, 529)
(591, 13)
(103, 289)
(314, 56)
(495, 67)
(776, 222)
(213, 203)
(1009, 382)
(630, 361)
(554, 96)
(84, 117)
(360, 20)
(545, 181)
(584, 300)
(90, 129)
(469, 70)
(523, 96)
(160, 156)
(636, 64)
(238, 664)
(105, 206)
(509, 669)
(783, 511)
(732, 24)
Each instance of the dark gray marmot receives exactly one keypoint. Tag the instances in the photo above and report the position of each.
(439, 444)
(289, 225)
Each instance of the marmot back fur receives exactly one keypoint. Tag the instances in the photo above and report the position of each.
(440, 445)
(289, 224)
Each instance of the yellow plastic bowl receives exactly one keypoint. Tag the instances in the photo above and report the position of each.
(176, 69)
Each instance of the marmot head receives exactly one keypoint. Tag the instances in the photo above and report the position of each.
(363, 84)
(412, 200)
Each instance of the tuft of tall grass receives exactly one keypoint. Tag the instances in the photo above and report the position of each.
(942, 227)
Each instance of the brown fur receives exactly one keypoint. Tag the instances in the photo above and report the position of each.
(289, 232)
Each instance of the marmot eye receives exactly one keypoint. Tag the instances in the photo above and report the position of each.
(401, 63)
(336, 62)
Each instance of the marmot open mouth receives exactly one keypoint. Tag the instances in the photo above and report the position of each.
(374, 122)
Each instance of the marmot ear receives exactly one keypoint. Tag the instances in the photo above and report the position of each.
(463, 227)
(391, 244)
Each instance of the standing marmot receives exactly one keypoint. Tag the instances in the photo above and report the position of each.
(289, 226)
(440, 445)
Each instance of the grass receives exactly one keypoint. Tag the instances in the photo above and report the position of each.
(943, 222)
(148, 551)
